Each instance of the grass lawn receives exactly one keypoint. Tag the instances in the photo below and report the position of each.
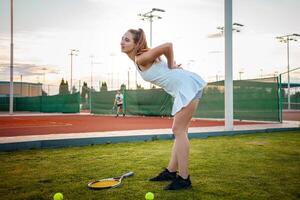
(256, 166)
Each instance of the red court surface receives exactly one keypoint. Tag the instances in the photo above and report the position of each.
(43, 125)
(291, 115)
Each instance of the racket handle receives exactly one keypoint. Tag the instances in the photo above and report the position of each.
(128, 174)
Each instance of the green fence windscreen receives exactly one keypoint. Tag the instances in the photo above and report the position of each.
(290, 89)
(71, 103)
(61, 103)
(57, 103)
(152, 102)
(4, 103)
(32, 104)
(255, 99)
(103, 102)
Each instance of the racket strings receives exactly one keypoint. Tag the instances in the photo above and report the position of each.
(105, 183)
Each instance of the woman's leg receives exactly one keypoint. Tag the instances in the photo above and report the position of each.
(118, 110)
(173, 164)
(180, 151)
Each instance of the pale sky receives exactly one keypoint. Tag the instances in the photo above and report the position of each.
(46, 30)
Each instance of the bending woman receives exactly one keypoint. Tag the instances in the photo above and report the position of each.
(186, 87)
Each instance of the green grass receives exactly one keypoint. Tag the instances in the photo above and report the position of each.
(258, 166)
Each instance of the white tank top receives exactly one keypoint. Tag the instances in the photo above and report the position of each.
(181, 84)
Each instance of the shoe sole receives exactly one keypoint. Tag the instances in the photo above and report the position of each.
(160, 180)
(185, 188)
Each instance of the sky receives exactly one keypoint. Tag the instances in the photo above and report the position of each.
(45, 31)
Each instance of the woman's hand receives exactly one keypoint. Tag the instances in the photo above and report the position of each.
(147, 58)
(176, 66)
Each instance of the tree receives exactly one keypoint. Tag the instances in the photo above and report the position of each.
(74, 90)
(84, 91)
(139, 87)
(61, 86)
(296, 95)
(64, 87)
(103, 86)
(123, 87)
(44, 93)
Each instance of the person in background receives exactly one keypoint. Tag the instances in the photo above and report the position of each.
(118, 103)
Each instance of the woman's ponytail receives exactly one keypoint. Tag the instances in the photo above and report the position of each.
(139, 38)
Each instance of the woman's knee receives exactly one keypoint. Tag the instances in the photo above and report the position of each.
(177, 130)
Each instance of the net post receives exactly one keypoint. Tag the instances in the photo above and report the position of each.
(228, 67)
(280, 99)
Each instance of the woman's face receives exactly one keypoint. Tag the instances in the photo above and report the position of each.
(127, 43)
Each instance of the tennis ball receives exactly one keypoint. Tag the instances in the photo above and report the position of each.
(58, 196)
(149, 196)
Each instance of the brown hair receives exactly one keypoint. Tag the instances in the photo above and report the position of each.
(139, 39)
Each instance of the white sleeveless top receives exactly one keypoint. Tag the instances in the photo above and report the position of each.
(181, 84)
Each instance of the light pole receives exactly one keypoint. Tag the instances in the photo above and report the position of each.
(73, 53)
(21, 85)
(128, 80)
(44, 69)
(136, 79)
(11, 85)
(92, 63)
(286, 39)
(149, 16)
(228, 65)
(112, 67)
(240, 73)
(227, 32)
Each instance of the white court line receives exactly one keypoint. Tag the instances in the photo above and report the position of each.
(36, 126)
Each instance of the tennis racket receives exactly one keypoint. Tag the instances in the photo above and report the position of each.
(113, 109)
(108, 182)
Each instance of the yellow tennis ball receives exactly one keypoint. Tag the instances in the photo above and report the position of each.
(149, 196)
(58, 196)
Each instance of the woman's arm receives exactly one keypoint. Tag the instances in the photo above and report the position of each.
(146, 59)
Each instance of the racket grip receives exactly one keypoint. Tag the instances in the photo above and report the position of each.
(128, 174)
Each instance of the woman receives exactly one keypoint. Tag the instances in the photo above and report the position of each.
(186, 88)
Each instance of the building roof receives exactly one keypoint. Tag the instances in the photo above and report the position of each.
(16, 82)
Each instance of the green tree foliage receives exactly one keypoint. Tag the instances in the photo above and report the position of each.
(103, 86)
(123, 87)
(64, 87)
(139, 87)
(84, 91)
(74, 90)
(44, 93)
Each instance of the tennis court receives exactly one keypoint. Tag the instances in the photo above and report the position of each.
(34, 131)
(58, 124)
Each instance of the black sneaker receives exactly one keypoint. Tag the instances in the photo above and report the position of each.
(164, 176)
(179, 183)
